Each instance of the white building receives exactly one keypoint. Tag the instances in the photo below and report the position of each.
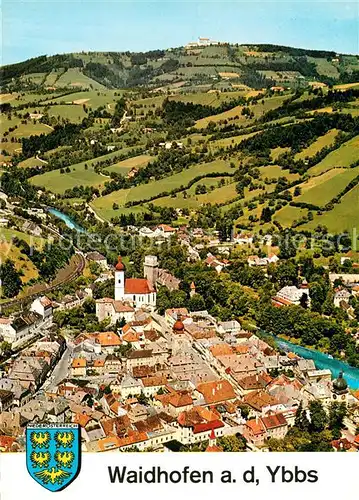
(138, 291)
(342, 295)
(291, 295)
(114, 309)
(43, 306)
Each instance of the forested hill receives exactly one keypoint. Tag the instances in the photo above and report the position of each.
(256, 66)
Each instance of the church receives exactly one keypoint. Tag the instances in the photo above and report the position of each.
(138, 291)
(130, 293)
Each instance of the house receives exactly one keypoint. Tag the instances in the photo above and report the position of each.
(29, 369)
(342, 295)
(243, 239)
(16, 329)
(6, 400)
(151, 385)
(254, 260)
(138, 291)
(169, 145)
(261, 402)
(253, 382)
(42, 306)
(275, 425)
(78, 367)
(291, 295)
(255, 432)
(165, 278)
(175, 401)
(216, 392)
(97, 258)
(215, 263)
(229, 327)
(32, 228)
(109, 341)
(115, 310)
(130, 387)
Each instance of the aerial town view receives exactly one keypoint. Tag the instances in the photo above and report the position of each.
(179, 246)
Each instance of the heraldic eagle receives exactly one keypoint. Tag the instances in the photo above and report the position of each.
(53, 475)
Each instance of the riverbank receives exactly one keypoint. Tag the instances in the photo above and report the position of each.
(322, 361)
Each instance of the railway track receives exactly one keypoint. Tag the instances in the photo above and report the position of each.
(28, 298)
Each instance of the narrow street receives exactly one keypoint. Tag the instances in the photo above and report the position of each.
(60, 371)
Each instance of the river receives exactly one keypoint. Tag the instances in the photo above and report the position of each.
(323, 361)
(71, 224)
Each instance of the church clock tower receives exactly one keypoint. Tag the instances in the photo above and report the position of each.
(119, 280)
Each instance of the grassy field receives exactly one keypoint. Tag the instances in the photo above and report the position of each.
(57, 182)
(92, 98)
(325, 140)
(342, 217)
(324, 67)
(320, 190)
(229, 141)
(258, 109)
(31, 162)
(189, 198)
(73, 113)
(276, 152)
(275, 171)
(103, 205)
(75, 78)
(345, 86)
(341, 157)
(287, 215)
(123, 167)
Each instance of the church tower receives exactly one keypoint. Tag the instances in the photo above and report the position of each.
(150, 269)
(119, 280)
(340, 391)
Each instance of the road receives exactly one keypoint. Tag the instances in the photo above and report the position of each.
(60, 371)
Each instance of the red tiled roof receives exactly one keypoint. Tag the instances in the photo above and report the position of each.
(221, 349)
(82, 419)
(79, 363)
(207, 426)
(274, 421)
(138, 286)
(122, 306)
(166, 228)
(107, 339)
(46, 302)
(256, 426)
(215, 392)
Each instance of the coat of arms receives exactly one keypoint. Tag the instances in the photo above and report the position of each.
(53, 454)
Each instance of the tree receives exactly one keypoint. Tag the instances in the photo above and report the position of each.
(266, 215)
(5, 348)
(301, 419)
(318, 416)
(10, 279)
(196, 303)
(337, 413)
(233, 443)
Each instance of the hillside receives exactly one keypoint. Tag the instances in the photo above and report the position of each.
(218, 66)
(259, 136)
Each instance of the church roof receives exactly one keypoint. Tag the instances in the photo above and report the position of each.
(138, 286)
